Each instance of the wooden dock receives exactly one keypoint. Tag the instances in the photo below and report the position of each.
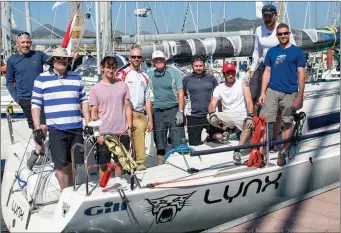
(320, 213)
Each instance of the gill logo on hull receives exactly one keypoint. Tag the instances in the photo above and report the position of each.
(108, 207)
(165, 208)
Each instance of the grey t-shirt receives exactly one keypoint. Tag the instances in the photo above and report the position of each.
(199, 92)
(165, 86)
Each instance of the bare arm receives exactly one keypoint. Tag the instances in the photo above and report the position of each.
(301, 81)
(265, 79)
(36, 117)
(247, 96)
(129, 113)
(212, 105)
(181, 99)
(94, 112)
(86, 112)
(149, 110)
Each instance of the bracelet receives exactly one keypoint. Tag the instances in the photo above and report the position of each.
(250, 115)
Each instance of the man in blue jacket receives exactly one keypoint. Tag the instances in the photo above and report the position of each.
(22, 69)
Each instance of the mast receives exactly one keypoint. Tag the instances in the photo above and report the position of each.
(281, 18)
(211, 16)
(224, 17)
(98, 40)
(28, 17)
(6, 30)
(197, 31)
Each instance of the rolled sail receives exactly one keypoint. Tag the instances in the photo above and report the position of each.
(310, 40)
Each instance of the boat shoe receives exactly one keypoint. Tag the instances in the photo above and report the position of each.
(281, 159)
(225, 137)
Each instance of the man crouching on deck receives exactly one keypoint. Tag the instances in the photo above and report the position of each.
(109, 101)
(234, 95)
(61, 92)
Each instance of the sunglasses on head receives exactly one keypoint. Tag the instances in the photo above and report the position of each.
(23, 34)
(60, 58)
(283, 33)
(134, 57)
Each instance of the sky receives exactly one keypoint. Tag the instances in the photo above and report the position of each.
(170, 15)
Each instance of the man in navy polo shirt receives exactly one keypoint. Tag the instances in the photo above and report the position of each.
(284, 73)
(198, 87)
(22, 69)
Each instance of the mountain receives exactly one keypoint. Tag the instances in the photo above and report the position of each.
(236, 24)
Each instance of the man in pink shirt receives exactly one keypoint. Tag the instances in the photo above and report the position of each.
(109, 101)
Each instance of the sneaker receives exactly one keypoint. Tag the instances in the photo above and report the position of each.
(140, 167)
(281, 159)
(237, 157)
(225, 137)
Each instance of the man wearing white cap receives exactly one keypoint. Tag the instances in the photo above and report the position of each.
(235, 97)
(168, 104)
(61, 93)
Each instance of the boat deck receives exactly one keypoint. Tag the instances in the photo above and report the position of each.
(320, 213)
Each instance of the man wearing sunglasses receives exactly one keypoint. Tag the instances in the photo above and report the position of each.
(283, 63)
(139, 87)
(22, 69)
(265, 38)
(168, 104)
(198, 87)
(61, 93)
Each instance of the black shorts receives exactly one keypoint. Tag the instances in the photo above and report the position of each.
(25, 105)
(195, 125)
(61, 142)
(104, 154)
(256, 82)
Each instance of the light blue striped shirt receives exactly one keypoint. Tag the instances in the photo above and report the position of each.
(61, 98)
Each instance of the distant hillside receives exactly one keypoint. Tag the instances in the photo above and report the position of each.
(236, 24)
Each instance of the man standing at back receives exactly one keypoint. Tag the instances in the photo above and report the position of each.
(198, 87)
(168, 104)
(22, 69)
(283, 63)
(139, 88)
(265, 38)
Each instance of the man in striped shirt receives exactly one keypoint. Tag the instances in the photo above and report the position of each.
(61, 92)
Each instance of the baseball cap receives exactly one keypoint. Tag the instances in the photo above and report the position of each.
(228, 67)
(269, 10)
(159, 54)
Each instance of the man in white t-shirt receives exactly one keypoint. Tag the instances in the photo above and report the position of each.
(139, 85)
(235, 97)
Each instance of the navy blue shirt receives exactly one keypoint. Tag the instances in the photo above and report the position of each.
(23, 70)
(199, 92)
(284, 63)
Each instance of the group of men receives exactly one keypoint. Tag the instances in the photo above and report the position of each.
(130, 102)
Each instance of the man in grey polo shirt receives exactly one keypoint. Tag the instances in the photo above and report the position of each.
(198, 87)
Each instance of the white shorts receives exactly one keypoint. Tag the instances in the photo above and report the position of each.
(229, 119)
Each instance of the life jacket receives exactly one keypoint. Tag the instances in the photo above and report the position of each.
(256, 158)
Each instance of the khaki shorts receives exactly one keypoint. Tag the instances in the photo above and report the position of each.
(229, 119)
(274, 101)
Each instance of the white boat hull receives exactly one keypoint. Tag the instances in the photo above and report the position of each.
(180, 202)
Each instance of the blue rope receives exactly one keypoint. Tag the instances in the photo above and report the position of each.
(181, 149)
(21, 181)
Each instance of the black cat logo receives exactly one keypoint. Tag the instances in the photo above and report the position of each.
(165, 208)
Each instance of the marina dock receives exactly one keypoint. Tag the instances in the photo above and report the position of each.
(320, 213)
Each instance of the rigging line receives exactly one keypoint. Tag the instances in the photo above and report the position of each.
(118, 14)
(221, 10)
(33, 20)
(325, 23)
(54, 19)
(190, 8)
(164, 18)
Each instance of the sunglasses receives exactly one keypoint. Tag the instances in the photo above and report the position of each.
(23, 34)
(60, 58)
(283, 33)
(136, 57)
